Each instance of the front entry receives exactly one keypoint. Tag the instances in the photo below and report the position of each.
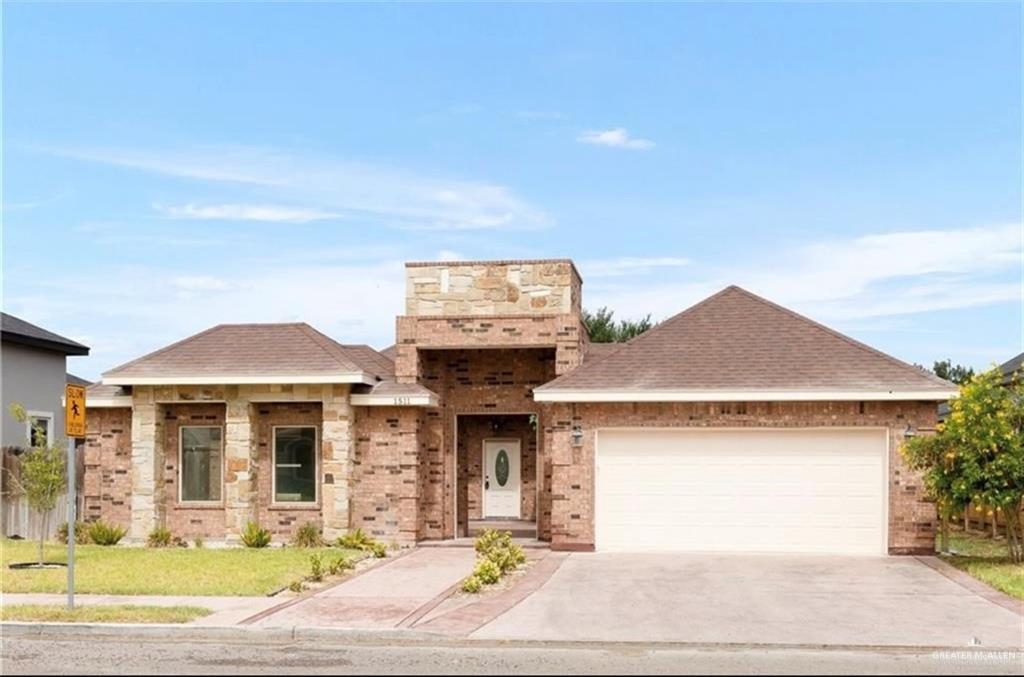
(502, 478)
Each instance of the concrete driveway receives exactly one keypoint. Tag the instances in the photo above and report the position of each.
(765, 599)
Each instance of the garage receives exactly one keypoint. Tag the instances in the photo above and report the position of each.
(742, 490)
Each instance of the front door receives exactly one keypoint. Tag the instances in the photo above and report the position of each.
(501, 478)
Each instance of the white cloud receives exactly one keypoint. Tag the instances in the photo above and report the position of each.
(199, 283)
(618, 137)
(838, 280)
(449, 255)
(245, 212)
(628, 266)
(366, 193)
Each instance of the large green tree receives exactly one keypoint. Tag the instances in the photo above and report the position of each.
(602, 327)
(957, 373)
(977, 455)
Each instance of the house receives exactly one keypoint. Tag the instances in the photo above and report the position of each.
(1011, 369)
(34, 372)
(736, 425)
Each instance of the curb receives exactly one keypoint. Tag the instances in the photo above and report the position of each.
(421, 638)
(979, 588)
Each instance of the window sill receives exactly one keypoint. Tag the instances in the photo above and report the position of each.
(198, 506)
(294, 506)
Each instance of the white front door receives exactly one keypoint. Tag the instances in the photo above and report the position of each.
(501, 478)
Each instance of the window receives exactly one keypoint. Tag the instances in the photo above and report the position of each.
(295, 464)
(39, 428)
(201, 464)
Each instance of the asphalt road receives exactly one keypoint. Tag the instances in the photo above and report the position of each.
(33, 655)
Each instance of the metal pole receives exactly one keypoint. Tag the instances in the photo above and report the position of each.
(72, 518)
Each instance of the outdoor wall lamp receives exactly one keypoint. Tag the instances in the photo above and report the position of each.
(577, 436)
(909, 432)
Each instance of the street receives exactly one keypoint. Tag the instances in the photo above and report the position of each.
(95, 655)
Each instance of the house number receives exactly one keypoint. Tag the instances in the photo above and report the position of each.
(402, 400)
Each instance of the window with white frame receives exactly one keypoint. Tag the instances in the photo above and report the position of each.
(201, 464)
(39, 428)
(295, 470)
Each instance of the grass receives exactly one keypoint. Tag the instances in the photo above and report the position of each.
(115, 613)
(160, 571)
(987, 560)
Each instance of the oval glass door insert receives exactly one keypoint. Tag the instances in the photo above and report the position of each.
(501, 467)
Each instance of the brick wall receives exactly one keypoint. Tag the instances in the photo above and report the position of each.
(107, 483)
(912, 520)
(385, 490)
(283, 520)
(184, 520)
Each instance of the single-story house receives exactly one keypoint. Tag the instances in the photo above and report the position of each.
(736, 425)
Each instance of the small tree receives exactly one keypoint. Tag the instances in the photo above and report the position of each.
(957, 373)
(42, 476)
(977, 455)
(602, 327)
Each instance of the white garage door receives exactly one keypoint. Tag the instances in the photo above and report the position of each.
(814, 491)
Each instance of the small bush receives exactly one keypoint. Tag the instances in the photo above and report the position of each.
(316, 567)
(491, 540)
(487, 571)
(198, 542)
(255, 537)
(160, 538)
(472, 585)
(308, 536)
(102, 533)
(81, 533)
(297, 585)
(357, 540)
(338, 565)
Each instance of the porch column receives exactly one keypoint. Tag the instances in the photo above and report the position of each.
(336, 448)
(240, 461)
(147, 501)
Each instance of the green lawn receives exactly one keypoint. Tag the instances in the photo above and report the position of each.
(986, 559)
(119, 570)
(116, 613)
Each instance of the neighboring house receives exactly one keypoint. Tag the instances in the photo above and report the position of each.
(33, 371)
(1012, 369)
(736, 425)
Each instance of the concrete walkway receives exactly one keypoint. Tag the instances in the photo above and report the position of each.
(226, 610)
(389, 596)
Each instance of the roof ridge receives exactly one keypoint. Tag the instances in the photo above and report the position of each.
(919, 371)
(329, 346)
(160, 351)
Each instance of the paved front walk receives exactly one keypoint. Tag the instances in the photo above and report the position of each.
(388, 596)
(768, 599)
(226, 610)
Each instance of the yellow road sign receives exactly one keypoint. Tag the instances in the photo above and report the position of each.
(74, 411)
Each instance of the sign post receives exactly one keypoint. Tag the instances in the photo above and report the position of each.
(74, 429)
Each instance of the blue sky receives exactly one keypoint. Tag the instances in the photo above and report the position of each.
(169, 167)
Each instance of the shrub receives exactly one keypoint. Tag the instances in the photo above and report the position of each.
(472, 585)
(160, 538)
(198, 542)
(308, 536)
(297, 585)
(490, 540)
(338, 565)
(81, 533)
(255, 537)
(487, 571)
(316, 567)
(102, 533)
(357, 540)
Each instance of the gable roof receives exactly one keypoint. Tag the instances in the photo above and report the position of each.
(738, 346)
(254, 353)
(16, 330)
(1011, 368)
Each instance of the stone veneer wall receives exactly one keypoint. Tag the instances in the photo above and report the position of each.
(912, 519)
(492, 288)
(472, 432)
(183, 519)
(107, 484)
(327, 405)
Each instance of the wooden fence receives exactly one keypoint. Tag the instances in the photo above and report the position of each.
(16, 518)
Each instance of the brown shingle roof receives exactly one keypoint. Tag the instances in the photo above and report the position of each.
(252, 351)
(737, 341)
